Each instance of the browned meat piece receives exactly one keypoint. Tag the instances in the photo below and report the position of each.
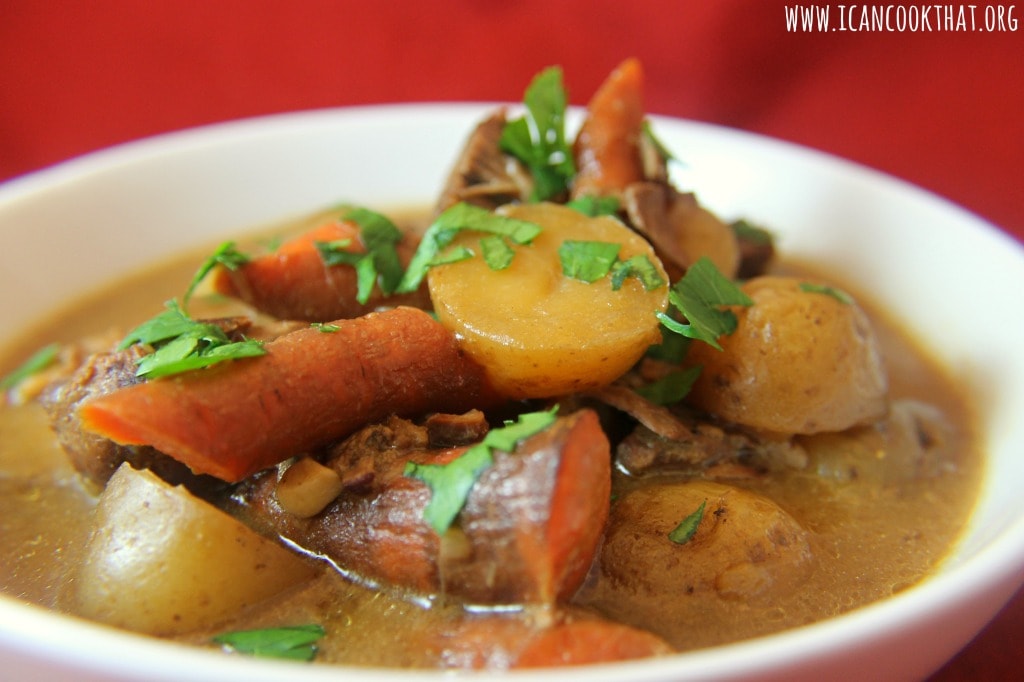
(95, 457)
(680, 229)
(449, 430)
(484, 175)
(527, 533)
(757, 250)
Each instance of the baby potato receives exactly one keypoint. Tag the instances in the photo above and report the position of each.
(162, 562)
(538, 332)
(801, 361)
(745, 547)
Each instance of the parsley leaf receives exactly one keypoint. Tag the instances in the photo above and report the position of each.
(699, 296)
(638, 266)
(671, 388)
(454, 220)
(687, 528)
(379, 263)
(826, 290)
(227, 255)
(588, 261)
(594, 206)
(538, 138)
(747, 231)
(451, 483)
(295, 642)
(663, 151)
(182, 344)
(36, 363)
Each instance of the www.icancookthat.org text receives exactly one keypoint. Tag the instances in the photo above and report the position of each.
(900, 18)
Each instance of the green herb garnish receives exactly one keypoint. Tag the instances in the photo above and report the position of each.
(641, 268)
(590, 261)
(747, 231)
(451, 483)
(453, 221)
(663, 151)
(227, 255)
(296, 643)
(538, 138)
(671, 388)
(182, 344)
(325, 327)
(594, 206)
(379, 263)
(699, 296)
(37, 362)
(496, 252)
(687, 528)
(826, 290)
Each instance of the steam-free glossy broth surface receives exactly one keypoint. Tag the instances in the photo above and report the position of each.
(870, 536)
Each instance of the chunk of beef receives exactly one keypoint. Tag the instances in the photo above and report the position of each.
(94, 457)
(483, 174)
(527, 533)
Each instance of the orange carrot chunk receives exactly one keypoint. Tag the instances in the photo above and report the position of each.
(607, 147)
(311, 388)
(295, 283)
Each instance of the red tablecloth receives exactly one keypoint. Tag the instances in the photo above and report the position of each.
(938, 106)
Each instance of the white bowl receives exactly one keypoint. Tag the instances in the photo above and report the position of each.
(955, 280)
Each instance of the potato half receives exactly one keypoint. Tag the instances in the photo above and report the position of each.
(163, 562)
(538, 332)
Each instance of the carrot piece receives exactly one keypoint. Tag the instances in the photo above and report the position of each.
(530, 641)
(312, 388)
(505, 549)
(607, 150)
(294, 283)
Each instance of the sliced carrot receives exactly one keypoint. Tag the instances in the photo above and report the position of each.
(294, 282)
(607, 147)
(508, 546)
(312, 388)
(589, 641)
(531, 640)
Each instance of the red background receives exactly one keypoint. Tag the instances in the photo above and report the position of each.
(940, 109)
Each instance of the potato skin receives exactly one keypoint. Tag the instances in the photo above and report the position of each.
(537, 332)
(745, 548)
(163, 562)
(799, 362)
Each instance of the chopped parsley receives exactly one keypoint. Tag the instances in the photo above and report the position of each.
(699, 296)
(594, 206)
(451, 483)
(747, 231)
(590, 261)
(663, 151)
(227, 255)
(325, 327)
(37, 362)
(460, 218)
(538, 138)
(182, 344)
(687, 528)
(826, 290)
(379, 264)
(296, 643)
(671, 388)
